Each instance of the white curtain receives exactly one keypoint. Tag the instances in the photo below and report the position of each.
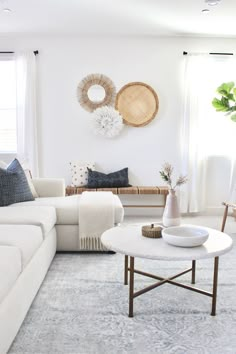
(26, 114)
(206, 133)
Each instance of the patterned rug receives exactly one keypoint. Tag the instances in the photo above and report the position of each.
(82, 308)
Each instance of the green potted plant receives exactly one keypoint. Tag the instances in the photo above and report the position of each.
(227, 101)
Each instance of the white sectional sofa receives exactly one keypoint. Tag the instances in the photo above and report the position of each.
(30, 235)
(52, 193)
(26, 252)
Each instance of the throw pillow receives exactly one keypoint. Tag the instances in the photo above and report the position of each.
(26, 167)
(79, 173)
(3, 164)
(30, 183)
(101, 180)
(14, 187)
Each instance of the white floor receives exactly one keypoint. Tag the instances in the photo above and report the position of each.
(203, 220)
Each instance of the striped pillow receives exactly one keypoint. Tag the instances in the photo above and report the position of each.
(14, 187)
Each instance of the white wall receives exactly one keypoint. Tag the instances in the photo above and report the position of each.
(64, 127)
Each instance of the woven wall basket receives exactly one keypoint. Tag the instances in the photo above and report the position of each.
(138, 104)
(89, 81)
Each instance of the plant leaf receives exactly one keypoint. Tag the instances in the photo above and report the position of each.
(225, 88)
(221, 105)
(234, 92)
(231, 97)
(233, 117)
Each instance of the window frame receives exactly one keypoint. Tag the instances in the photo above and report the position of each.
(10, 57)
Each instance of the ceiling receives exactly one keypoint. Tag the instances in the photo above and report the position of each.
(118, 17)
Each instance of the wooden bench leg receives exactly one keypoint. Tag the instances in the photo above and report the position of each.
(224, 217)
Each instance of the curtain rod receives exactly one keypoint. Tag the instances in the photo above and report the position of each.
(36, 52)
(186, 53)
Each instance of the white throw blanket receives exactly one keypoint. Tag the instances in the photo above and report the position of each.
(96, 215)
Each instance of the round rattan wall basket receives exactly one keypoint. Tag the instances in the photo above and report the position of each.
(138, 104)
(100, 80)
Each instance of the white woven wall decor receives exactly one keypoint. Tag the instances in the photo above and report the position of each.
(107, 122)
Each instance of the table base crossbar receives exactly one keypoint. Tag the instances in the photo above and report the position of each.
(162, 280)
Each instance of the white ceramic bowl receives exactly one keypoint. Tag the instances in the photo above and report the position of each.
(185, 236)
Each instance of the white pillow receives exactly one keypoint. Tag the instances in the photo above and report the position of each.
(79, 173)
(30, 183)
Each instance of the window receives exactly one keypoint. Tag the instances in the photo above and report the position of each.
(213, 132)
(208, 139)
(218, 130)
(8, 132)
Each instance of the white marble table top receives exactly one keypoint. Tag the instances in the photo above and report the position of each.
(128, 240)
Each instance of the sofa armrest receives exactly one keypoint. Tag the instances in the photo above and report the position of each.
(49, 187)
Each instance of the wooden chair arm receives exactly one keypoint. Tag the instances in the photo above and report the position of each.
(229, 204)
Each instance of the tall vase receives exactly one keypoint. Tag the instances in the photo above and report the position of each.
(171, 215)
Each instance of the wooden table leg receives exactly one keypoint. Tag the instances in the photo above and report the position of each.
(224, 217)
(215, 281)
(126, 270)
(193, 272)
(131, 287)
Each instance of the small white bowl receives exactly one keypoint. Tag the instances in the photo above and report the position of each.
(185, 236)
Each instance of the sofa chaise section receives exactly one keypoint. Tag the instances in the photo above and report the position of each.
(30, 234)
(67, 212)
(10, 268)
(26, 252)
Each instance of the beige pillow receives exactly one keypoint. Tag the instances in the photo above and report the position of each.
(31, 185)
(3, 164)
(79, 172)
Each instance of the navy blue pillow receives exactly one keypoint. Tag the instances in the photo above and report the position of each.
(111, 180)
(14, 187)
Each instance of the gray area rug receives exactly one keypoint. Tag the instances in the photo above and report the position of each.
(82, 308)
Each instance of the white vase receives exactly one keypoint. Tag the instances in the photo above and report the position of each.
(171, 215)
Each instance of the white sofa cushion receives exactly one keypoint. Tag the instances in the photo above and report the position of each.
(119, 210)
(27, 238)
(10, 268)
(43, 216)
(67, 208)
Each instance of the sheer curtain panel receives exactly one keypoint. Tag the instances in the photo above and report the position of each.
(26, 114)
(207, 136)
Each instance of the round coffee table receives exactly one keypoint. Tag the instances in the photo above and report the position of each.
(130, 242)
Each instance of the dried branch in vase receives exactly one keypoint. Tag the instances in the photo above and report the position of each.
(166, 174)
